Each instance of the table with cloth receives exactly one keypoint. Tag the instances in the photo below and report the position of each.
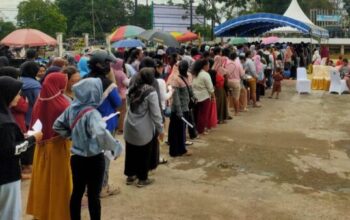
(320, 79)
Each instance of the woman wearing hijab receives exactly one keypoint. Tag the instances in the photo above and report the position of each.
(316, 58)
(51, 184)
(12, 144)
(19, 114)
(179, 109)
(142, 122)
(122, 84)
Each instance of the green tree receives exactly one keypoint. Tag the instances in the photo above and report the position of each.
(144, 17)
(218, 10)
(105, 14)
(6, 27)
(41, 15)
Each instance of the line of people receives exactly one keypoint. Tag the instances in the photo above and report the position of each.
(161, 96)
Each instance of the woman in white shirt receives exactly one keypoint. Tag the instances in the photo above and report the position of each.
(203, 90)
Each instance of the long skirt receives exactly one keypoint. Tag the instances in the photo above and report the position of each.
(138, 160)
(176, 136)
(202, 111)
(213, 117)
(122, 110)
(10, 201)
(51, 185)
(192, 131)
(221, 104)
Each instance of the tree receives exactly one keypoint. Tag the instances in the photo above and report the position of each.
(41, 15)
(6, 27)
(144, 17)
(104, 15)
(217, 10)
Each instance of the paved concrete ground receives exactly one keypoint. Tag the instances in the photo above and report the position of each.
(287, 160)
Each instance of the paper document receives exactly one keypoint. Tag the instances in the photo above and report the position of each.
(189, 124)
(110, 116)
(37, 127)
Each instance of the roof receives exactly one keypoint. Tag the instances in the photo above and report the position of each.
(260, 23)
(294, 11)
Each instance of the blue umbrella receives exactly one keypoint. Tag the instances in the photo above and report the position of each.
(129, 43)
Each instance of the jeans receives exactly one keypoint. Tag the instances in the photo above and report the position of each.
(87, 172)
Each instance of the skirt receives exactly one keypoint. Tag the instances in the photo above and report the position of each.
(51, 184)
(176, 136)
(221, 104)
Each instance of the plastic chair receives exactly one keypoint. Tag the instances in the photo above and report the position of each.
(338, 85)
(303, 83)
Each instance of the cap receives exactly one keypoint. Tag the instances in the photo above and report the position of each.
(102, 56)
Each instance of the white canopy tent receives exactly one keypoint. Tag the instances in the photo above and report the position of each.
(294, 11)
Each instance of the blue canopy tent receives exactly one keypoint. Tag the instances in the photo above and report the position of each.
(260, 23)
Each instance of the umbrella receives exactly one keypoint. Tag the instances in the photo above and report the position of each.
(188, 36)
(160, 37)
(28, 37)
(129, 43)
(176, 34)
(238, 41)
(270, 40)
(124, 32)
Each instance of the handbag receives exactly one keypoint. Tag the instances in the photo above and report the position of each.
(193, 100)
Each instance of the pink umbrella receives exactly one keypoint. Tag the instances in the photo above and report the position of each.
(28, 37)
(270, 40)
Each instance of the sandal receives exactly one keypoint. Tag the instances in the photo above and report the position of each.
(162, 160)
(188, 143)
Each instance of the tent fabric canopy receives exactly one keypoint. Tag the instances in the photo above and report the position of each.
(294, 11)
(260, 23)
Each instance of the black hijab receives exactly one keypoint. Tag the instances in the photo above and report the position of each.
(4, 61)
(29, 69)
(141, 88)
(12, 88)
(9, 71)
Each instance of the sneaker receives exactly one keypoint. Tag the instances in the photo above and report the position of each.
(109, 190)
(142, 183)
(130, 180)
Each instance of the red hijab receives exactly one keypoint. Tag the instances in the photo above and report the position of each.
(51, 103)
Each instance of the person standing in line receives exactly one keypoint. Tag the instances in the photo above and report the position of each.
(85, 126)
(12, 145)
(250, 70)
(30, 90)
(73, 78)
(179, 109)
(51, 183)
(100, 66)
(142, 122)
(203, 90)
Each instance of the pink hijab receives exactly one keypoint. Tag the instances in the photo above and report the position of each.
(258, 64)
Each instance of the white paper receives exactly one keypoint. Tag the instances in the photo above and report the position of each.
(38, 126)
(110, 116)
(109, 155)
(189, 124)
(31, 133)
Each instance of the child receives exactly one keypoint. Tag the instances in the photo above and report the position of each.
(277, 77)
(84, 124)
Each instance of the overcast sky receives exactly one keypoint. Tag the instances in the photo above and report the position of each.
(8, 8)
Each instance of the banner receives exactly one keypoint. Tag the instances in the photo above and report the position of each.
(331, 18)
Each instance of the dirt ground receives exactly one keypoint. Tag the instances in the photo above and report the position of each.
(287, 160)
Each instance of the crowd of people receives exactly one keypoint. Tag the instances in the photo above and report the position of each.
(84, 101)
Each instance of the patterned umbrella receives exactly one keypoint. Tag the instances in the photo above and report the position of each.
(129, 43)
(188, 36)
(127, 31)
(28, 37)
(160, 37)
